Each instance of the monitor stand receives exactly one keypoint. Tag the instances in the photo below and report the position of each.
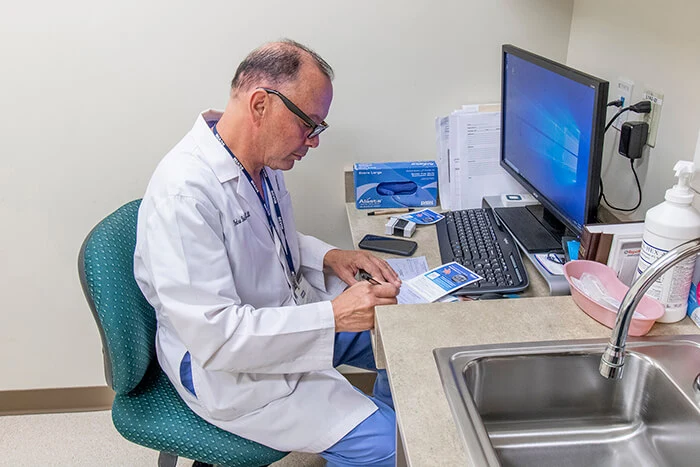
(537, 230)
(557, 283)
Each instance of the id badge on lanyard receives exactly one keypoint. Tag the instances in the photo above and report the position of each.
(302, 291)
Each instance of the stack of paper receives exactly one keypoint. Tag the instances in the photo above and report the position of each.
(468, 157)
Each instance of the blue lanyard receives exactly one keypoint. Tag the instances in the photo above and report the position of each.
(268, 214)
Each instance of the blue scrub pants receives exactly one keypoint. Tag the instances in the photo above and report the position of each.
(372, 442)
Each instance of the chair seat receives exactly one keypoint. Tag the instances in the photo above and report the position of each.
(154, 415)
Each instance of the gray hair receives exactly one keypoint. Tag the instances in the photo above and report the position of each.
(276, 63)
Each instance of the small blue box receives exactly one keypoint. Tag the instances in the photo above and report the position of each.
(395, 184)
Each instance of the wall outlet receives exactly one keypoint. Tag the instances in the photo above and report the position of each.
(652, 118)
(623, 92)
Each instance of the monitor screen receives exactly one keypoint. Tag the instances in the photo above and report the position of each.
(552, 133)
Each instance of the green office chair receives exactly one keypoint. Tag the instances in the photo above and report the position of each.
(146, 410)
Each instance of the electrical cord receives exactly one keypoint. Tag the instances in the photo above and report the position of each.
(639, 192)
(617, 103)
(620, 112)
(639, 107)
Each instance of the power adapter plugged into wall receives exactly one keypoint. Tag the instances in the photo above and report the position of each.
(633, 137)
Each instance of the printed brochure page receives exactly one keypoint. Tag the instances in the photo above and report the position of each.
(436, 283)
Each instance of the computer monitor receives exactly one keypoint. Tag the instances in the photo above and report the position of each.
(552, 125)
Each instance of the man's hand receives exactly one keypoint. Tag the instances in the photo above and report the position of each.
(354, 308)
(347, 263)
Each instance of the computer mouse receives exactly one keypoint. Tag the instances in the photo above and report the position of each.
(396, 188)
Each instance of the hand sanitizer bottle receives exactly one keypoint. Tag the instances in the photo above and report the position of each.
(666, 226)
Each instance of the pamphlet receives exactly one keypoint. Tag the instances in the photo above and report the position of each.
(423, 217)
(436, 283)
(410, 268)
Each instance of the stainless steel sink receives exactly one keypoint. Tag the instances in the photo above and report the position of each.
(546, 404)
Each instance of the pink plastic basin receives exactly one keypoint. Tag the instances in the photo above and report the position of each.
(650, 309)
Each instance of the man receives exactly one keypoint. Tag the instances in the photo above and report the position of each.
(250, 323)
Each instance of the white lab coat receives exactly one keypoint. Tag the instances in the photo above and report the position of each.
(262, 367)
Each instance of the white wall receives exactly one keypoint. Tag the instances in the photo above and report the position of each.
(655, 44)
(94, 93)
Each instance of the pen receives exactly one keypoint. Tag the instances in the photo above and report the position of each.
(364, 275)
(379, 212)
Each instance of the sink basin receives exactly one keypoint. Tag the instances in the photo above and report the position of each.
(545, 404)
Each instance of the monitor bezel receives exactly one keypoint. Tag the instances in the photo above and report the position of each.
(597, 134)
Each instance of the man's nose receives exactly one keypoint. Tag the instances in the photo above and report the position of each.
(312, 142)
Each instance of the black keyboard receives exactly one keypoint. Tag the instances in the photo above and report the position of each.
(477, 240)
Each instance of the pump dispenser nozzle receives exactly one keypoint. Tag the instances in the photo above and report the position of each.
(681, 192)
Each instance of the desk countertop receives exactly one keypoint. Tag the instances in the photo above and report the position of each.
(426, 237)
(407, 334)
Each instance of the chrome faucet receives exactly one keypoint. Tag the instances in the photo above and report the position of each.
(613, 360)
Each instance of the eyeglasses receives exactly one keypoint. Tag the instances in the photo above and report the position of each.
(316, 128)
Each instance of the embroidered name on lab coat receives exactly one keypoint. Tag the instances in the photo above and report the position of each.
(242, 219)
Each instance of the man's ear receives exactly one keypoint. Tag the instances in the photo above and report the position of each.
(258, 105)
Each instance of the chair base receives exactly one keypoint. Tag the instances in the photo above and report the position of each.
(165, 459)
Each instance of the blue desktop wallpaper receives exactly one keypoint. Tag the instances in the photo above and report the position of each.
(547, 139)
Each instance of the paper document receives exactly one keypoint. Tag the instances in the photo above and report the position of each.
(408, 268)
(479, 149)
(468, 157)
(436, 283)
(423, 217)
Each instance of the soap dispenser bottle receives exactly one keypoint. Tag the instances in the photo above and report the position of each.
(666, 226)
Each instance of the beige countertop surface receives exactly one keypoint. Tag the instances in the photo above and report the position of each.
(426, 237)
(407, 334)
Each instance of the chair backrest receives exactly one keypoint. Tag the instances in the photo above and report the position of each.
(126, 321)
